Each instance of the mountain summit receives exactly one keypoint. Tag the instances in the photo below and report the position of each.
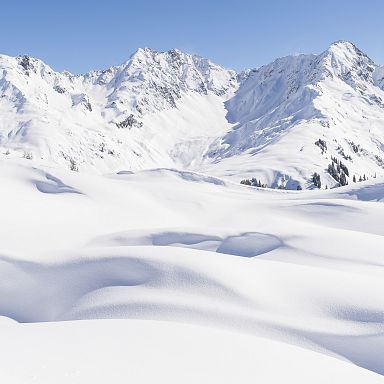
(281, 123)
(294, 115)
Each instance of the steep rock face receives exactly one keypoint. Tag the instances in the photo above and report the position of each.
(151, 81)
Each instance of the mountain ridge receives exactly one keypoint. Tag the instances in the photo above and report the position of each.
(176, 109)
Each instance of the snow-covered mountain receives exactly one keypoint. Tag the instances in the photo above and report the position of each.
(280, 123)
(334, 99)
(107, 120)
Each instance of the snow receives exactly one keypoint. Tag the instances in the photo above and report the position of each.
(283, 108)
(153, 351)
(110, 120)
(175, 110)
(152, 263)
(210, 280)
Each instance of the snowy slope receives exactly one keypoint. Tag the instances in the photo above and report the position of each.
(106, 120)
(154, 351)
(285, 107)
(167, 245)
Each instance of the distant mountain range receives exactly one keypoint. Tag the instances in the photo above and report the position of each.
(281, 124)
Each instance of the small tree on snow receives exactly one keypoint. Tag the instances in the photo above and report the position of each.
(316, 180)
(28, 155)
(73, 166)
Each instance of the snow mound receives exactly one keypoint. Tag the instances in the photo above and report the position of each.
(243, 244)
(173, 351)
(310, 273)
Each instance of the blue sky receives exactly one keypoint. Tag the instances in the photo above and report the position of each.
(82, 35)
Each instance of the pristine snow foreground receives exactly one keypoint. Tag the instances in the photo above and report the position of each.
(179, 273)
(191, 279)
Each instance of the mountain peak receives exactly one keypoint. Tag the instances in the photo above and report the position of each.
(151, 52)
(141, 53)
(123, 112)
(346, 49)
(342, 44)
(347, 62)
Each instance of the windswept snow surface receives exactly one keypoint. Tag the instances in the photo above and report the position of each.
(182, 277)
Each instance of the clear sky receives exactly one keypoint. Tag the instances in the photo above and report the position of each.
(82, 35)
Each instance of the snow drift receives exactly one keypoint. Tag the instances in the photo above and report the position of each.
(304, 268)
